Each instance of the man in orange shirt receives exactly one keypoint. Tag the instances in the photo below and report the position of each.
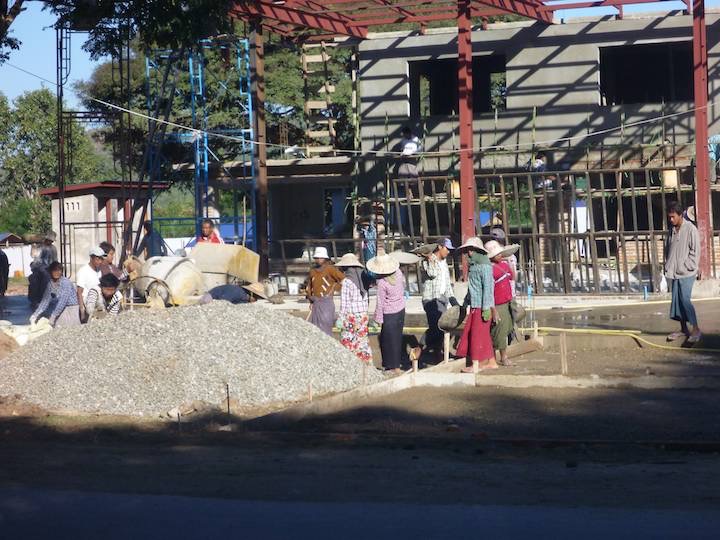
(208, 234)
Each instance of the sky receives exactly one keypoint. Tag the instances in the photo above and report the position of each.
(37, 53)
(33, 28)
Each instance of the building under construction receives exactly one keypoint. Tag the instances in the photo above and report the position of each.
(607, 103)
(614, 108)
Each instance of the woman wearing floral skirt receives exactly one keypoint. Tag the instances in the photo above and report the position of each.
(353, 319)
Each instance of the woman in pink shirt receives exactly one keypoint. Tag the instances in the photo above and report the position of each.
(390, 310)
(504, 277)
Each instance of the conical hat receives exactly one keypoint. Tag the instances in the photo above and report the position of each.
(475, 243)
(383, 265)
(256, 288)
(349, 259)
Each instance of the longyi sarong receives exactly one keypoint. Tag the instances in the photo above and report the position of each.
(504, 327)
(476, 343)
(681, 308)
(70, 316)
(323, 313)
(391, 339)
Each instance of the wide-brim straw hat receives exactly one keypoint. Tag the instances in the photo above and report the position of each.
(451, 319)
(383, 265)
(256, 288)
(495, 248)
(425, 249)
(690, 212)
(349, 259)
(403, 257)
(474, 243)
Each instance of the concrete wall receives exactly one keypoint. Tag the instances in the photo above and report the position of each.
(80, 239)
(552, 72)
(85, 226)
(19, 258)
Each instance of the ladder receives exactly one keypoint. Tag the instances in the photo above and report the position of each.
(319, 123)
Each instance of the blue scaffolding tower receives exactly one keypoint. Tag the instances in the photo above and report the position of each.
(222, 116)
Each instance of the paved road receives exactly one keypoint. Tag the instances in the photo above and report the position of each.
(30, 514)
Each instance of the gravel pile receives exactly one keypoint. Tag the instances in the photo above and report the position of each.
(149, 362)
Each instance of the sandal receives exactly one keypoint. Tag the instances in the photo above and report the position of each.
(675, 335)
(694, 338)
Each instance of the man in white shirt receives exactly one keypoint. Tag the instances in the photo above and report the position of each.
(88, 277)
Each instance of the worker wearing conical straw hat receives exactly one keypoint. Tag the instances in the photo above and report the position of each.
(476, 344)
(503, 276)
(353, 320)
(390, 309)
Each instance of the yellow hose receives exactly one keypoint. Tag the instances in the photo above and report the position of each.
(619, 304)
(602, 331)
(635, 334)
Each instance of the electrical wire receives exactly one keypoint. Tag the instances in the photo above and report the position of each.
(387, 153)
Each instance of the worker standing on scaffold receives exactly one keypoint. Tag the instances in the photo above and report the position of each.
(408, 149)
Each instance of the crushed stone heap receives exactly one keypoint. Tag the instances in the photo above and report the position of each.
(149, 362)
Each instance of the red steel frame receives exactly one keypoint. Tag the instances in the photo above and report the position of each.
(702, 167)
(465, 110)
(354, 18)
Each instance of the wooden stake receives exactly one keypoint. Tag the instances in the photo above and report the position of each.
(563, 353)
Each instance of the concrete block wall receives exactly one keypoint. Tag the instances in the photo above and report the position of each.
(553, 76)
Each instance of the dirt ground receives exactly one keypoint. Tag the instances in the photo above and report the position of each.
(529, 414)
(623, 447)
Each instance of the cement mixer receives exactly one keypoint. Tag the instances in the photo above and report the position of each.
(165, 281)
(171, 280)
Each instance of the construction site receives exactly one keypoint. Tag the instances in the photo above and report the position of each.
(574, 140)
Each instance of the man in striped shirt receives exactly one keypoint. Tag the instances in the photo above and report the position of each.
(437, 291)
(104, 299)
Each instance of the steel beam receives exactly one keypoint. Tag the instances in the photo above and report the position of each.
(468, 194)
(281, 13)
(521, 7)
(257, 81)
(592, 4)
(440, 16)
(702, 169)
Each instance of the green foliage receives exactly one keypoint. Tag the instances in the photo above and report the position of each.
(283, 76)
(28, 157)
(175, 203)
(168, 24)
(8, 13)
(25, 215)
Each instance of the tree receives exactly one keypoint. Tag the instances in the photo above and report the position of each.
(28, 157)
(8, 14)
(170, 24)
